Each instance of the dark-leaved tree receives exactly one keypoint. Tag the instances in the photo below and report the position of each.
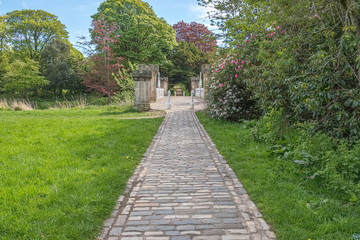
(103, 65)
(197, 34)
(57, 67)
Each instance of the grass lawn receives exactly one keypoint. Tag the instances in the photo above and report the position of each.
(295, 208)
(61, 171)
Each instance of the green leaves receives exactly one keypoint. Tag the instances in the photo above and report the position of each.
(29, 31)
(143, 36)
(23, 77)
(303, 53)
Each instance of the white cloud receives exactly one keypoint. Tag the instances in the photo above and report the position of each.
(0, 2)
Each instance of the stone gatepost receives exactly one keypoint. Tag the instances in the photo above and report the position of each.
(142, 80)
(195, 83)
(164, 83)
(205, 70)
(153, 83)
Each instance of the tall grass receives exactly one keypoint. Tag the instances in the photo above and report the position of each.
(78, 102)
(15, 104)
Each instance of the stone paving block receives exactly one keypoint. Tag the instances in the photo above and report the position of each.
(180, 238)
(115, 231)
(157, 238)
(153, 233)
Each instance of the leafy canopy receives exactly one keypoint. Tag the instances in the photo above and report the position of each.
(197, 34)
(144, 38)
(57, 66)
(29, 31)
(23, 77)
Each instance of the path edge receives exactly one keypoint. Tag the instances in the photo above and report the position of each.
(246, 207)
(132, 183)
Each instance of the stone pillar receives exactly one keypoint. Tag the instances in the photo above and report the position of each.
(154, 69)
(164, 83)
(206, 71)
(142, 89)
(195, 83)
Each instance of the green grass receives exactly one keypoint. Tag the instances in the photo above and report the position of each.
(296, 209)
(61, 171)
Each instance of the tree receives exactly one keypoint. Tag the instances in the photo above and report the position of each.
(103, 65)
(57, 66)
(197, 34)
(302, 56)
(3, 34)
(4, 66)
(145, 38)
(23, 77)
(29, 31)
(186, 60)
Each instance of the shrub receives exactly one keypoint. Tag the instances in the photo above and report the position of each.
(320, 158)
(228, 96)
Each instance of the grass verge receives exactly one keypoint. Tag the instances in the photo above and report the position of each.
(296, 209)
(61, 171)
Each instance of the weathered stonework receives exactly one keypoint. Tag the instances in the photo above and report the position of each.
(153, 82)
(164, 83)
(195, 83)
(206, 73)
(142, 80)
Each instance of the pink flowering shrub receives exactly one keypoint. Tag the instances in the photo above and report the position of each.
(228, 96)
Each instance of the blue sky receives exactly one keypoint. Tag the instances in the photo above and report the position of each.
(75, 14)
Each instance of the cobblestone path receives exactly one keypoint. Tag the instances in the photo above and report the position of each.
(183, 189)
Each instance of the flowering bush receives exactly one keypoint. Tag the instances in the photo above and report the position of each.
(228, 97)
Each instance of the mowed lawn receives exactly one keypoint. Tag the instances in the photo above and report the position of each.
(61, 171)
(295, 208)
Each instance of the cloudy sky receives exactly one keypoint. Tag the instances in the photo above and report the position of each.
(75, 14)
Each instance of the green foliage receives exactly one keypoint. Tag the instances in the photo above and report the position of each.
(23, 77)
(302, 54)
(126, 85)
(186, 61)
(320, 158)
(56, 65)
(295, 206)
(62, 171)
(228, 96)
(3, 33)
(4, 65)
(29, 31)
(181, 86)
(271, 128)
(144, 38)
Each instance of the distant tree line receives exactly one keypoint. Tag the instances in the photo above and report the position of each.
(37, 58)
